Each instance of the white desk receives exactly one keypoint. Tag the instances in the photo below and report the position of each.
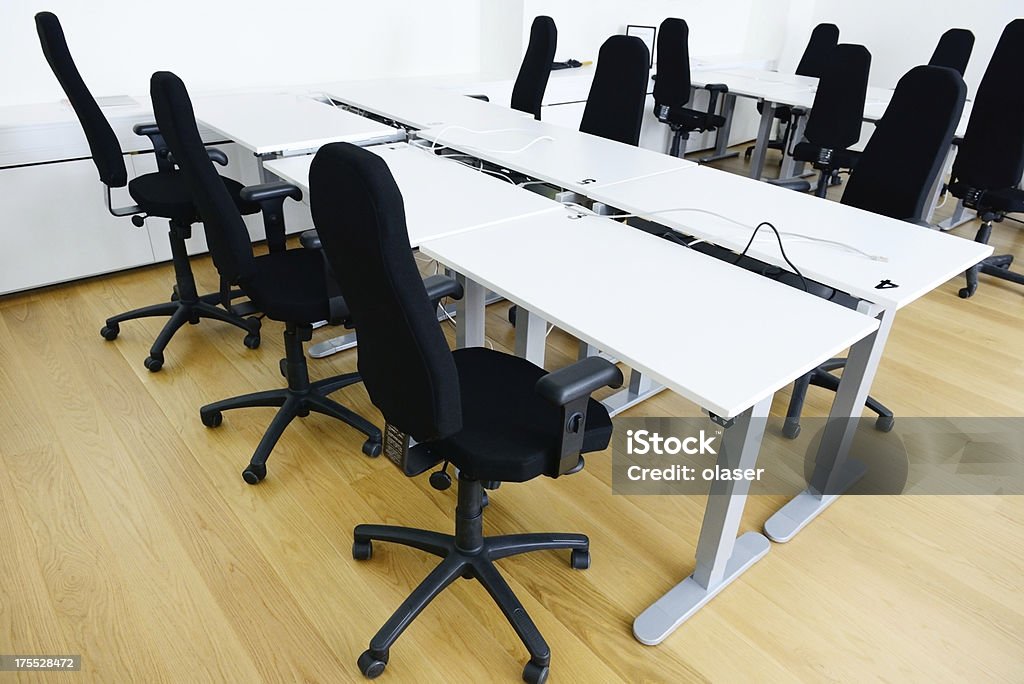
(419, 106)
(560, 156)
(270, 124)
(918, 260)
(731, 369)
(442, 197)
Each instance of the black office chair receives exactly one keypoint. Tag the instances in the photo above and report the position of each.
(672, 88)
(289, 285)
(824, 38)
(953, 50)
(837, 113)
(162, 194)
(532, 81)
(894, 178)
(990, 160)
(496, 417)
(615, 105)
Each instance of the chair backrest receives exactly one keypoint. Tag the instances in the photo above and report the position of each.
(953, 50)
(898, 167)
(226, 234)
(838, 108)
(991, 156)
(824, 37)
(532, 81)
(615, 105)
(672, 87)
(103, 144)
(404, 359)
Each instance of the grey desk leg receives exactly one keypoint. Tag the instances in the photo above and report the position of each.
(833, 473)
(722, 136)
(332, 346)
(469, 314)
(940, 182)
(961, 215)
(721, 556)
(764, 132)
(640, 387)
(791, 168)
(530, 336)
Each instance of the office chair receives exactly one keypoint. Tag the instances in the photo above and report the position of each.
(615, 104)
(824, 38)
(162, 194)
(894, 177)
(672, 88)
(289, 285)
(532, 81)
(835, 120)
(953, 50)
(495, 417)
(990, 159)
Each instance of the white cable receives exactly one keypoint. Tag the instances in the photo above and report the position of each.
(806, 238)
(437, 139)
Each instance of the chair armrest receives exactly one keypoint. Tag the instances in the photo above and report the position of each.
(160, 150)
(271, 197)
(578, 381)
(440, 286)
(570, 389)
(798, 184)
(146, 129)
(714, 90)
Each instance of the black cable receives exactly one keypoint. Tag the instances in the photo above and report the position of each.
(782, 249)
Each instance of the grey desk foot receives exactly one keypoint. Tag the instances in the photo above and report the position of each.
(332, 346)
(686, 598)
(808, 505)
(639, 389)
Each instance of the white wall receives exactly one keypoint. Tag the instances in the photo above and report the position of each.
(216, 45)
(750, 28)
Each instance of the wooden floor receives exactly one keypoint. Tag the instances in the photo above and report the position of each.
(128, 536)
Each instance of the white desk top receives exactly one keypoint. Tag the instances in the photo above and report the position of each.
(422, 106)
(919, 259)
(758, 83)
(267, 123)
(722, 337)
(442, 197)
(558, 155)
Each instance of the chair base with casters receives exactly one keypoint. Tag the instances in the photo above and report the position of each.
(470, 555)
(186, 305)
(822, 377)
(300, 398)
(997, 265)
(827, 162)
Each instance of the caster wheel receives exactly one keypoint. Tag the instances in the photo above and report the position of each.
(110, 332)
(370, 665)
(254, 474)
(965, 292)
(372, 448)
(252, 341)
(254, 324)
(212, 419)
(362, 550)
(512, 310)
(535, 674)
(884, 423)
(580, 559)
(154, 362)
(194, 320)
(440, 480)
(791, 430)
(302, 413)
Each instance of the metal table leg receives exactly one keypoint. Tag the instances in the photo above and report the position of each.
(722, 136)
(721, 557)
(833, 473)
(469, 314)
(764, 132)
(531, 336)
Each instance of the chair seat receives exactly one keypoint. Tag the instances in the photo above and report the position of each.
(167, 195)
(291, 286)
(841, 159)
(509, 432)
(1006, 200)
(691, 119)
